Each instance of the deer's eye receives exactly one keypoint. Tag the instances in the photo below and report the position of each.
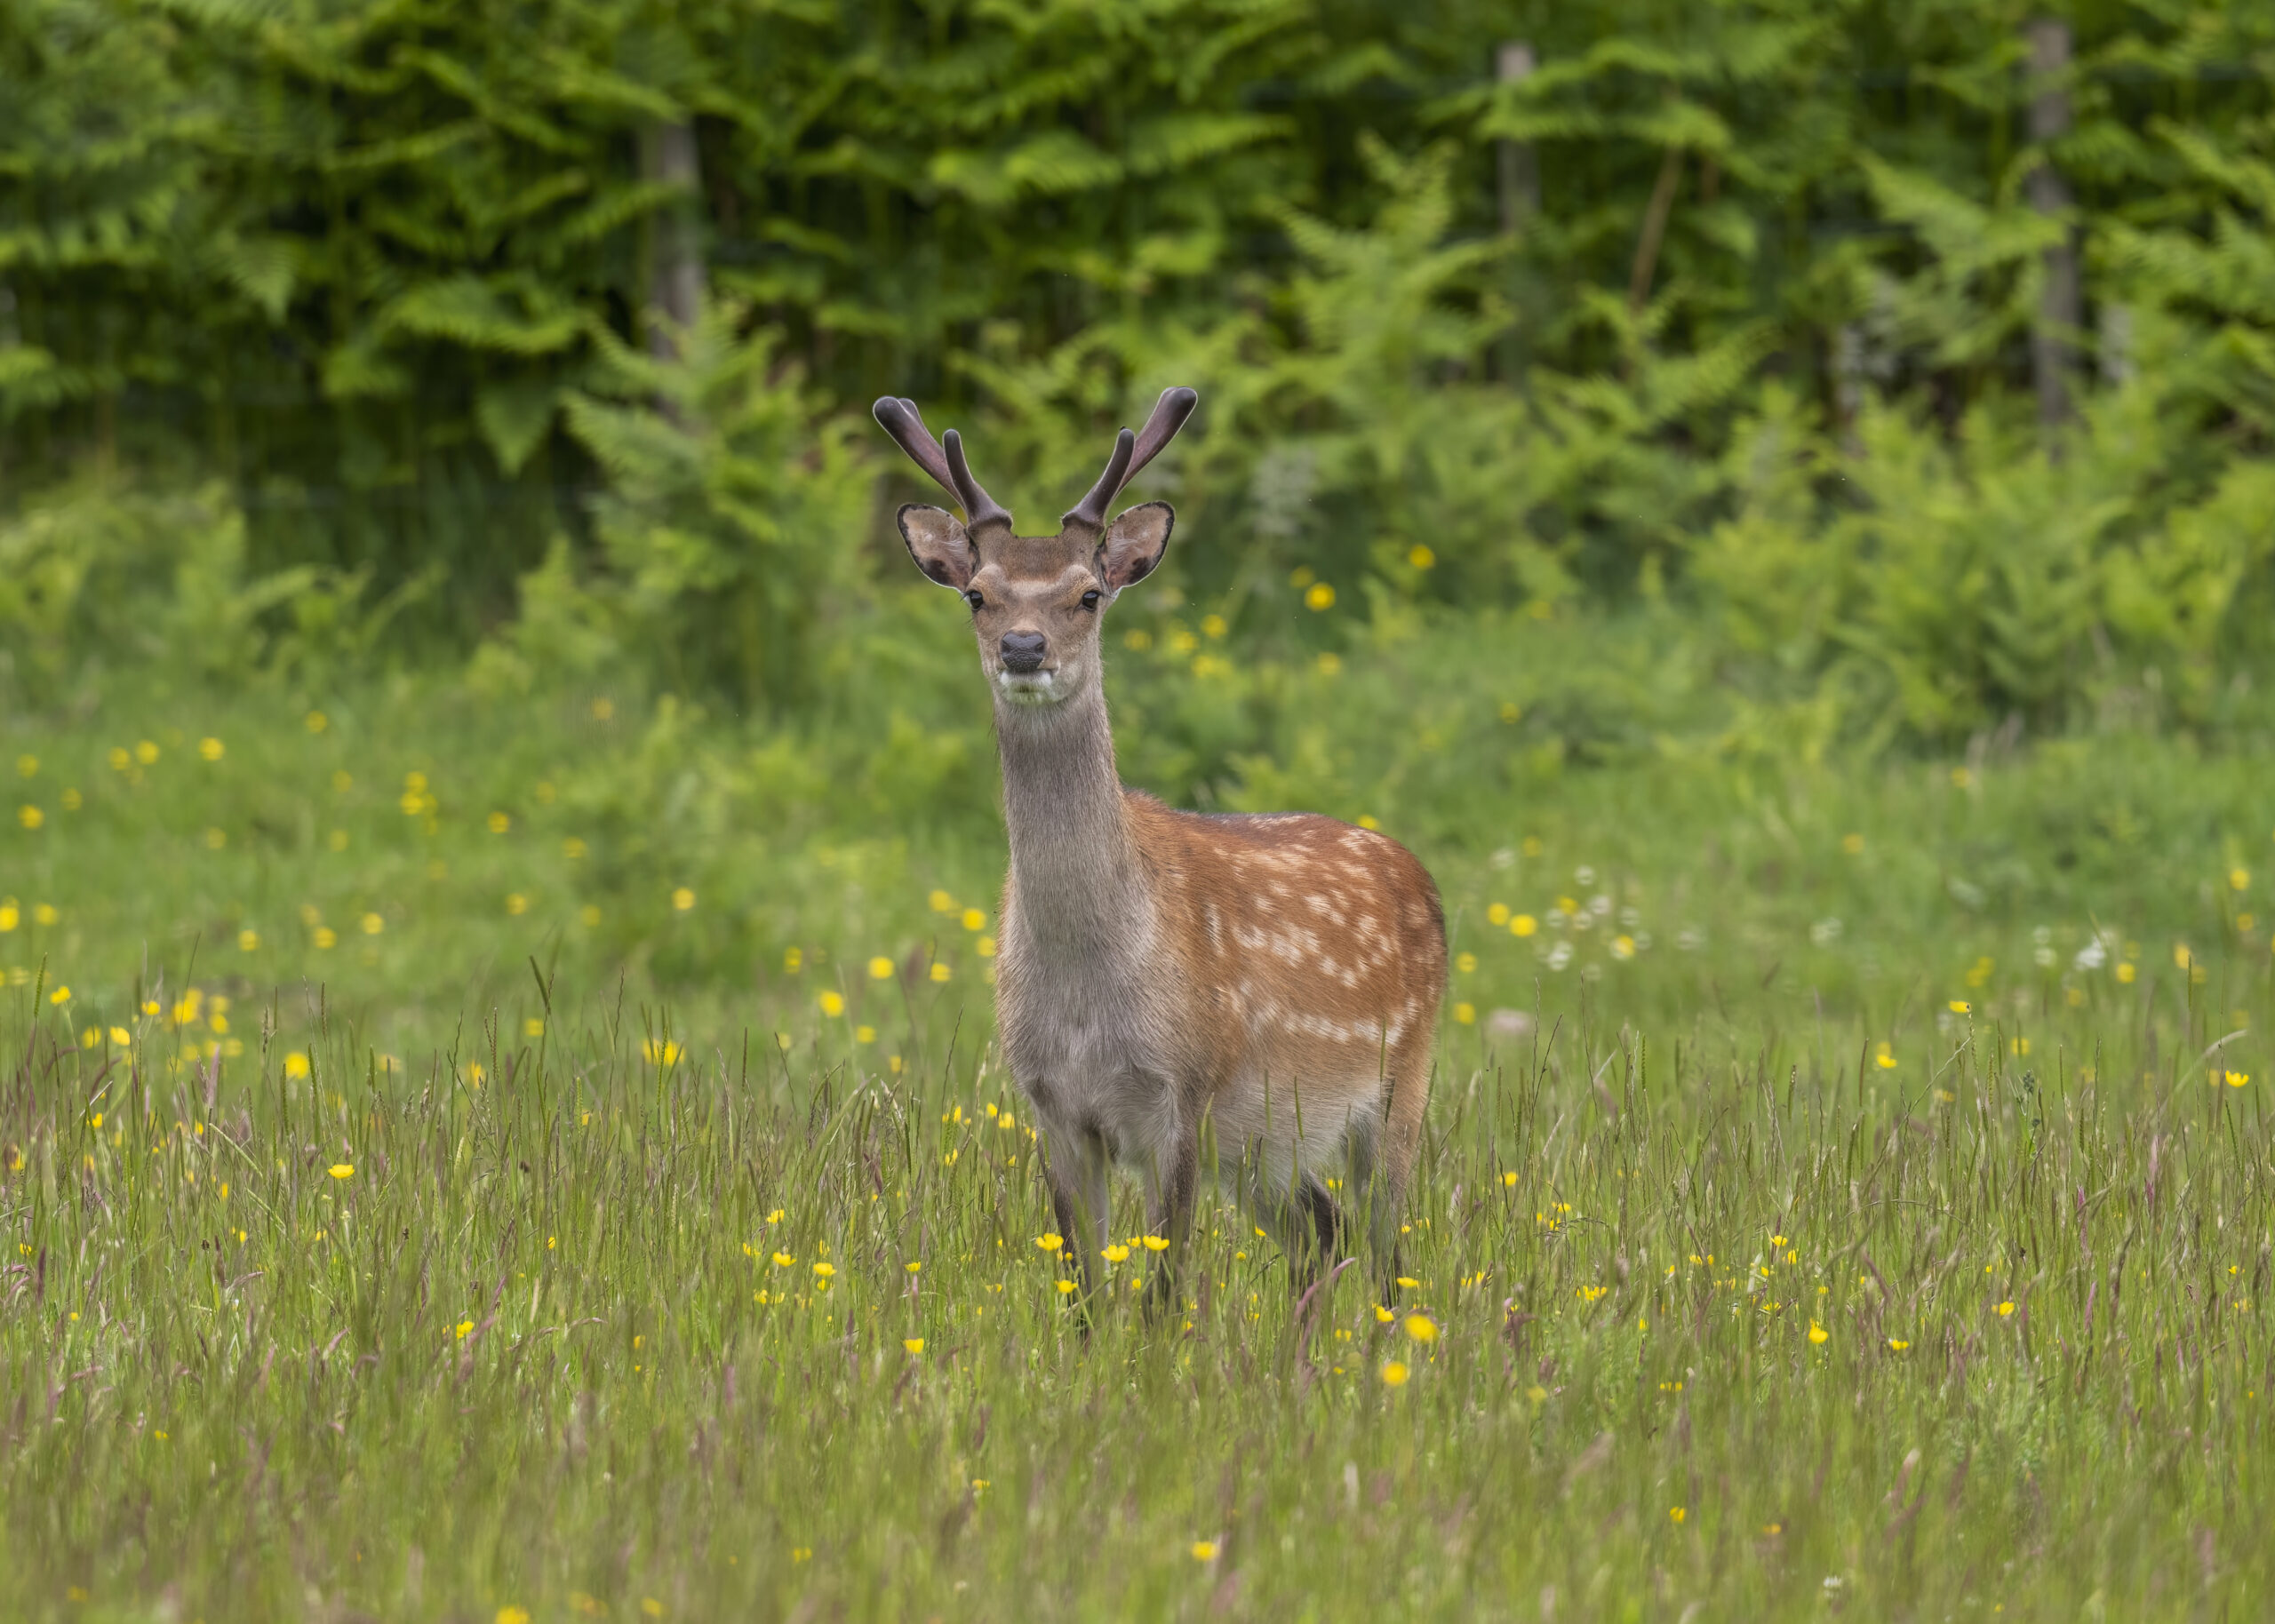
(1091, 598)
(976, 601)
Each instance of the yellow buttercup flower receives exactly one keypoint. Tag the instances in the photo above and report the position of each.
(1421, 1327)
(341, 1170)
(913, 1344)
(1394, 1374)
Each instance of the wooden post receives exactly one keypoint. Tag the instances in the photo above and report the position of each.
(2051, 341)
(1519, 169)
(675, 268)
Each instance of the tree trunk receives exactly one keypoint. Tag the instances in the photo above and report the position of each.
(676, 264)
(2052, 341)
(1519, 167)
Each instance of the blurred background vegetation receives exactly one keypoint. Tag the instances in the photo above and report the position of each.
(1798, 380)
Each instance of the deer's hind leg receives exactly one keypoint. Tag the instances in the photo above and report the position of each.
(1382, 1151)
(1296, 1211)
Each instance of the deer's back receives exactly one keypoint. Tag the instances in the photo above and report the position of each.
(1313, 952)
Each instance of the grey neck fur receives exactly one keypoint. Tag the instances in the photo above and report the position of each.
(1076, 874)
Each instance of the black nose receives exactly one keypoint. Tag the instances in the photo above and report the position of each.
(1023, 651)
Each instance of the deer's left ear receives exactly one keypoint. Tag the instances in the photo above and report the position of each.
(1134, 543)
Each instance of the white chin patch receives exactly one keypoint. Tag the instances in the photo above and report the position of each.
(1029, 687)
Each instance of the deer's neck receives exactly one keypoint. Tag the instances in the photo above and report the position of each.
(1074, 871)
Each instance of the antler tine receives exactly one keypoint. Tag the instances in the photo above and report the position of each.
(1170, 413)
(1131, 453)
(900, 419)
(978, 507)
(1091, 509)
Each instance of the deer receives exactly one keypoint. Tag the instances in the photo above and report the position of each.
(1270, 982)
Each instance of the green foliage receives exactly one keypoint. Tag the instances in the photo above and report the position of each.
(388, 273)
(726, 533)
(1958, 580)
(94, 576)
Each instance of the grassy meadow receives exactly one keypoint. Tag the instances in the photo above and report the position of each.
(484, 1159)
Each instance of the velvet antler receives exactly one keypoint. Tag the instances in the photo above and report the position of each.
(1131, 453)
(946, 464)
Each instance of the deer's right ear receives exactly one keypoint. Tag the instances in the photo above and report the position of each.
(937, 541)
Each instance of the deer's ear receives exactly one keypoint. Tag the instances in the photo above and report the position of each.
(937, 543)
(1133, 544)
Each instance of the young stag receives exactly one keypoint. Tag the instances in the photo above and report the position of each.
(1274, 981)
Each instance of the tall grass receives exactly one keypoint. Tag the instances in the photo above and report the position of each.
(494, 1262)
(601, 1319)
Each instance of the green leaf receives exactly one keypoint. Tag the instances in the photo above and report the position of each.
(514, 417)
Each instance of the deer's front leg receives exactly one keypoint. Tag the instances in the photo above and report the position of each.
(1169, 1213)
(1076, 1167)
